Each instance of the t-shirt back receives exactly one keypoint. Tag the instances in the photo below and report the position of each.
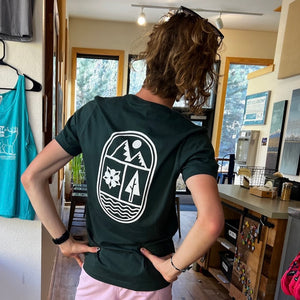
(133, 151)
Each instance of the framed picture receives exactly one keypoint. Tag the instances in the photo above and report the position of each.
(290, 161)
(256, 108)
(276, 133)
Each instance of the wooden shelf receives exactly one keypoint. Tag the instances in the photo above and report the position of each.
(260, 264)
(226, 244)
(260, 72)
(215, 272)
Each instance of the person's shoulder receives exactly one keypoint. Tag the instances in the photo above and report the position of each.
(187, 123)
(108, 101)
(100, 99)
(97, 104)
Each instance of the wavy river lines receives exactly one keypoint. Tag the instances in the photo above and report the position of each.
(119, 209)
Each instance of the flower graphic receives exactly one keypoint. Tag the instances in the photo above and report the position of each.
(112, 177)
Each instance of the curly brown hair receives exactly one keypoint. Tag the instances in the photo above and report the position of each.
(180, 57)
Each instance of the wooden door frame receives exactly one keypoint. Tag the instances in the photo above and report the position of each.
(233, 60)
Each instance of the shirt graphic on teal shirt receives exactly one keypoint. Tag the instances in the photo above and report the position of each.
(126, 169)
(8, 137)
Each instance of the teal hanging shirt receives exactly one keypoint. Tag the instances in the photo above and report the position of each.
(133, 151)
(17, 150)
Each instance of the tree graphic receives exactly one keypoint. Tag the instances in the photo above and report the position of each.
(133, 187)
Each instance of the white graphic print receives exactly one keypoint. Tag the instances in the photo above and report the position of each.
(8, 137)
(126, 168)
(112, 177)
(133, 187)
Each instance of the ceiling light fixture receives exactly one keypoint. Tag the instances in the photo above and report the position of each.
(142, 18)
(219, 22)
(199, 9)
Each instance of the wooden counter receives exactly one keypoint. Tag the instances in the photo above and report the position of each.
(259, 262)
(271, 208)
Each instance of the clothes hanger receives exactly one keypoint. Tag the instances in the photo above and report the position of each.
(36, 85)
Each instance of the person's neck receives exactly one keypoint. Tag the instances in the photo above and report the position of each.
(148, 96)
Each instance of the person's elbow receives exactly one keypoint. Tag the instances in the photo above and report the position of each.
(29, 178)
(26, 179)
(217, 225)
(213, 222)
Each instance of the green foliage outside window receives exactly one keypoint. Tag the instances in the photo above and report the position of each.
(78, 170)
(137, 76)
(95, 77)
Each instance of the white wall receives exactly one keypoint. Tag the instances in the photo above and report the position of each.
(20, 259)
(25, 251)
(280, 90)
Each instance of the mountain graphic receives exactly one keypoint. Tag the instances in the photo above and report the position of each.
(138, 159)
(123, 153)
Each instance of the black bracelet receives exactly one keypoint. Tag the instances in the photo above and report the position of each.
(180, 270)
(62, 239)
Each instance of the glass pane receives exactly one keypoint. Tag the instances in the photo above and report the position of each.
(95, 76)
(234, 106)
(137, 76)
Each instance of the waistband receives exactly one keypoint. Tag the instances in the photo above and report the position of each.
(159, 247)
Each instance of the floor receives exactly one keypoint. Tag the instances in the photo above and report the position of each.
(189, 286)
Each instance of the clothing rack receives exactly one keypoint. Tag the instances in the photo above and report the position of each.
(37, 87)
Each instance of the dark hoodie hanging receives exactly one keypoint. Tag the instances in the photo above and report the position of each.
(16, 20)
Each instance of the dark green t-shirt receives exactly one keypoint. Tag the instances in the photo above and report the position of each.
(133, 151)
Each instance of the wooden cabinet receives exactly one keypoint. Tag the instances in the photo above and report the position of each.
(259, 242)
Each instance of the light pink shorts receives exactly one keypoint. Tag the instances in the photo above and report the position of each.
(92, 289)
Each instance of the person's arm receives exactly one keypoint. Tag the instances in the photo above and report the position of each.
(35, 180)
(206, 229)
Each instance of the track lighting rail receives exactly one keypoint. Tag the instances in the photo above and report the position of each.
(199, 9)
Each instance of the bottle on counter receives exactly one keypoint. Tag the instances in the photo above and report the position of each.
(286, 191)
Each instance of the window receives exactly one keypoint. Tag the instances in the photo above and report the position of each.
(95, 73)
(233, 101)
(136, 74)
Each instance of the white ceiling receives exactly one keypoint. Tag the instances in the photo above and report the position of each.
(121, 10)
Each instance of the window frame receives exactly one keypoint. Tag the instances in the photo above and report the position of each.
(233, 60)
(97, 52)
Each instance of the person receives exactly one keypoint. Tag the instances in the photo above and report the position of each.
(134, 148)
